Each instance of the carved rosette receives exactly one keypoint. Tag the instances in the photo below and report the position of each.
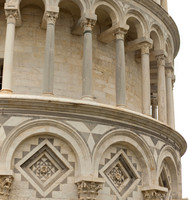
(88, 190)
(5, 186)
(120, 33)
(51, 17)
(160, 60)
(11, 15)
(154, 195)
(88, 24)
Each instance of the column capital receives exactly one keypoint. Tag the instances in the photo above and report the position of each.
(154, 101)
(145, 47)
(169, 70)
(120, 33)
(88, 188)
(154, 194)
(5, 185)
(51, 17)
(12, 15)
(161, 60)
(88, 24)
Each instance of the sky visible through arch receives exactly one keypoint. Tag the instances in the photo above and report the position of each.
(179, 11)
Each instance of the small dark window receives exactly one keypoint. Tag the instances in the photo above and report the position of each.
(1, 72)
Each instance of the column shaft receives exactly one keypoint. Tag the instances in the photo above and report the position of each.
(162, 112)
(9, 51)
(170, 103)
(87, 60)
(145, 62)
(48, 74)
(120, 69)
(154, 108)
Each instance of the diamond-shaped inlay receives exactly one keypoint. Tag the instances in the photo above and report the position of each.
(44, 167)
(121, 175)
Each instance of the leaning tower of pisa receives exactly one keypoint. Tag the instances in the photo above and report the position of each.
(86, 101)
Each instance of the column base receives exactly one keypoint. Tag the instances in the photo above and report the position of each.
(6, 91)
(88, 98)
(121, 106)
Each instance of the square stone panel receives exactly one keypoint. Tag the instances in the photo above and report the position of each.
(44, 167)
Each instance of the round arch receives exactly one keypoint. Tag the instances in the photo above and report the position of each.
(39, 3)
(135, 143)
(139, 21)
(110, 7)
(82, 4)
(169, 155)
(156, 35)
(52, 128)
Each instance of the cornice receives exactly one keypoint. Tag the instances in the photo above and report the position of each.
(60, 107)
(166, 19)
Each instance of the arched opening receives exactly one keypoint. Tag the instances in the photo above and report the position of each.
(104, 20)
(154, 35)
(27, 3)
(68, 51)
(104, 53)
(135, 29)
(133, 59)
(29, 48)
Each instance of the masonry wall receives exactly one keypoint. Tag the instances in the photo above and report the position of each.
(29, 61)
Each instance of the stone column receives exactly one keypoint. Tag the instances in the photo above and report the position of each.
(145, 63)
(120, 68)
(11, 16)
(48, 73)
(88, 189)
(170, 102)
(154, 195)
(5, 186)
(154, 107)
(162, 111)
(87, 25)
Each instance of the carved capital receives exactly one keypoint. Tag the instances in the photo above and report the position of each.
(51, 17)
(88, 190)
(145, 47)
(5, 185)
(160, 60)
(120, 33)
(154, 195)
(11, 15)
(154, 101)
(88, 24)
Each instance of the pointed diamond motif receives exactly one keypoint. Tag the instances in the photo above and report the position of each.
(44, 167)
(121, 175)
